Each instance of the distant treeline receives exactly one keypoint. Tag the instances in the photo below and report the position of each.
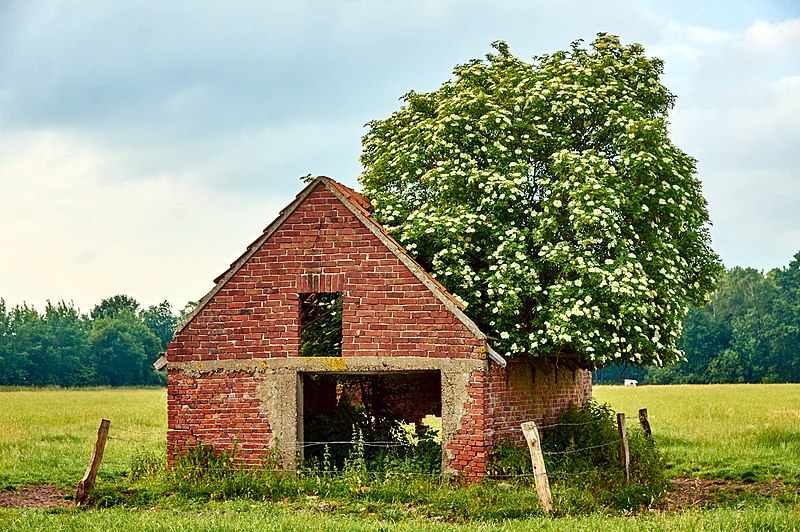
(115, 344)
(749, 332)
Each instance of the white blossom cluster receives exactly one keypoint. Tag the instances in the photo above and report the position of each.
(548, 197)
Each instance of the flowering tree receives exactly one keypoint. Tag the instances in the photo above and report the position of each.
(548, 197)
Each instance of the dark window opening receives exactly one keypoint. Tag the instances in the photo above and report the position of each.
(321, 324)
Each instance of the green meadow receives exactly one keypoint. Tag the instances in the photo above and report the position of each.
(47, 435)
(747, 432)
(745, 435)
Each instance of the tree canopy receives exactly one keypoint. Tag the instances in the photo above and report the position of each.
(548, 197)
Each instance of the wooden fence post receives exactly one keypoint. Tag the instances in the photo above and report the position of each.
(87, 482)
(624, 454)
(539, 471)
(644, 422)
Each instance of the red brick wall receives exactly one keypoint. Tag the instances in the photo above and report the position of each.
(470, 445)
(520, 393)
(219, 409)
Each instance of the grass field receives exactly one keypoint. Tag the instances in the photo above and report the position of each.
(237, 516)
(746, 433)
(47, 435)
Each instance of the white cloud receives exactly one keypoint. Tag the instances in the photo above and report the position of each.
(768, 37)
(144, 145)
(741, 118)
(69, 234)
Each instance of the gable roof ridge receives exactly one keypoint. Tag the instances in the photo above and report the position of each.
(361, 207)
(361, 201)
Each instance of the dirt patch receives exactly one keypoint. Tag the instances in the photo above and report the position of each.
(702, 492)
(35, 496)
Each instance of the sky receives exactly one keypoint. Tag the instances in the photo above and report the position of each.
(143, 145)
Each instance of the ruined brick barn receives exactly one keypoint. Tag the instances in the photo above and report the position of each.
(236, 370)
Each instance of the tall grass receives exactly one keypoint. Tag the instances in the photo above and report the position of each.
(739, 432)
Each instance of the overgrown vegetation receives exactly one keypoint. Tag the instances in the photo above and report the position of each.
(386, 440)
(582, 457)
(348, 422)
(581, 451)
(398, 482)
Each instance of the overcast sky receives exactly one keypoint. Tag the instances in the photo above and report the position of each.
(143, 145)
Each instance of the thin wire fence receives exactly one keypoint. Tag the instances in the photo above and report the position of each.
(137, 439)
(161, 433)
(132, 435)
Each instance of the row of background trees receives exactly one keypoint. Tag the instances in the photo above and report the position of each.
(749, 332)
(114, 345)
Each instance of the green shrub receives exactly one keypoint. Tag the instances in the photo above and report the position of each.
(340, 426)
(204, 473)
(419, 454)
(203, 463)
(583, 437)
(581, 453)
(507, 459)
(400, 451)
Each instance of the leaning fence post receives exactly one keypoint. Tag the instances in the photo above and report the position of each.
(624, 454)
(539, 471)
(87, 482)
(644, 422)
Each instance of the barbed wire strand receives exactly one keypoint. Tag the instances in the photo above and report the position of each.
(387, 473)
(511, 429)
(573, 451)
(395, 444)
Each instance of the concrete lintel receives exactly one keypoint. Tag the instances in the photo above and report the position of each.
(367, 364)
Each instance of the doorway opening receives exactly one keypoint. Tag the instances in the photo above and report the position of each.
(386, 416)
